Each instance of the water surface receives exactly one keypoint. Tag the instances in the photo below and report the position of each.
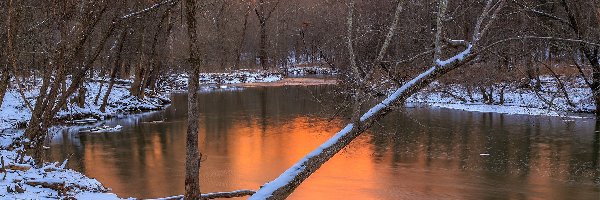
(250, 136)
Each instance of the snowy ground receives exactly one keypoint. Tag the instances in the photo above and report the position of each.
(548, 102)
(309, 70)
(21, 180)
(13, 113)
(179, 82)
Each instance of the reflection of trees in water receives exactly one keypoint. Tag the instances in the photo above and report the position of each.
(524, 150)
(596, 152)
(518, 145)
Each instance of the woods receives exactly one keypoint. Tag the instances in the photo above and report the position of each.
(66, 59)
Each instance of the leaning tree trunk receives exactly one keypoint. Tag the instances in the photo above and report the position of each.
(287, 182)
(114, 71)
(193, 156)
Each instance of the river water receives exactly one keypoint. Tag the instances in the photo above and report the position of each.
(250, 136)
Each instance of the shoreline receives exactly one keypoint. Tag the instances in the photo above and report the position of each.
(27, 181)
(19, 180)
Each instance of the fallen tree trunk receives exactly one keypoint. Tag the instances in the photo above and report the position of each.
(53, 184)
(288, 181)
(216, 195)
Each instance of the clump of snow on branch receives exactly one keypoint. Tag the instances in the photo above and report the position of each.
(457, 57)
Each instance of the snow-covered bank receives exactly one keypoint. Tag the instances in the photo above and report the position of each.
(309, 70)
(14, 114)
(22, 180)
(548, 101)
(179, 82)
(52, 180)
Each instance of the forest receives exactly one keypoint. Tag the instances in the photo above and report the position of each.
(80, 69)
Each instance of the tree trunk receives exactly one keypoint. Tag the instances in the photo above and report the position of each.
(262, 46)
(4, 84)
(81, 96)
(242, 40)
(595, 86)
(5, 79)
(102, 80)
(193, 156)
(135, 89)
(114, 71)
(350, 44)
(288, 181)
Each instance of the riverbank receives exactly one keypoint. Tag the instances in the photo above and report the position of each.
(548, 100)
(24, 180)
(291, 82)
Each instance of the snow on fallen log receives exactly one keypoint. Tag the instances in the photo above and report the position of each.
(215, 195)
(288, 181)
(19, 167)
(51, 183)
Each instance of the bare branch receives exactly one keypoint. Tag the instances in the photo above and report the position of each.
(539, 38)
(484, 14)
(498, 7)
(148, 9)
(390, 34)
(526, 8)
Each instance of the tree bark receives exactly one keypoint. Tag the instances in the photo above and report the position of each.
(114, 71)
(5, 79)
(4, 83)
(350, 44)
(439, 28)
(193, 156)
(238, 51)
(263, 17)
(262, 46)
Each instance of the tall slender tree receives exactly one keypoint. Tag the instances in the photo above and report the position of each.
(193, 156)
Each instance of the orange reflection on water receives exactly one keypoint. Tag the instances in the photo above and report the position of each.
(246, 153)
(291, 142)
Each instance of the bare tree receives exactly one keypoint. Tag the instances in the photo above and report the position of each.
(193, 156)
(264, 10)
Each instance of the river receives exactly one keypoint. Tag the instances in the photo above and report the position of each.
(250, 136)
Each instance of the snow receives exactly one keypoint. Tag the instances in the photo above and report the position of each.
(13, 115)
(310, 70)
(12, 111)
(517, 101)
(390, 99)
(103, 129)
(203, 195)
(241, 76)
(18, 183)
(180, 81)
(457, 57)
(287, 176)
(512, 110)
